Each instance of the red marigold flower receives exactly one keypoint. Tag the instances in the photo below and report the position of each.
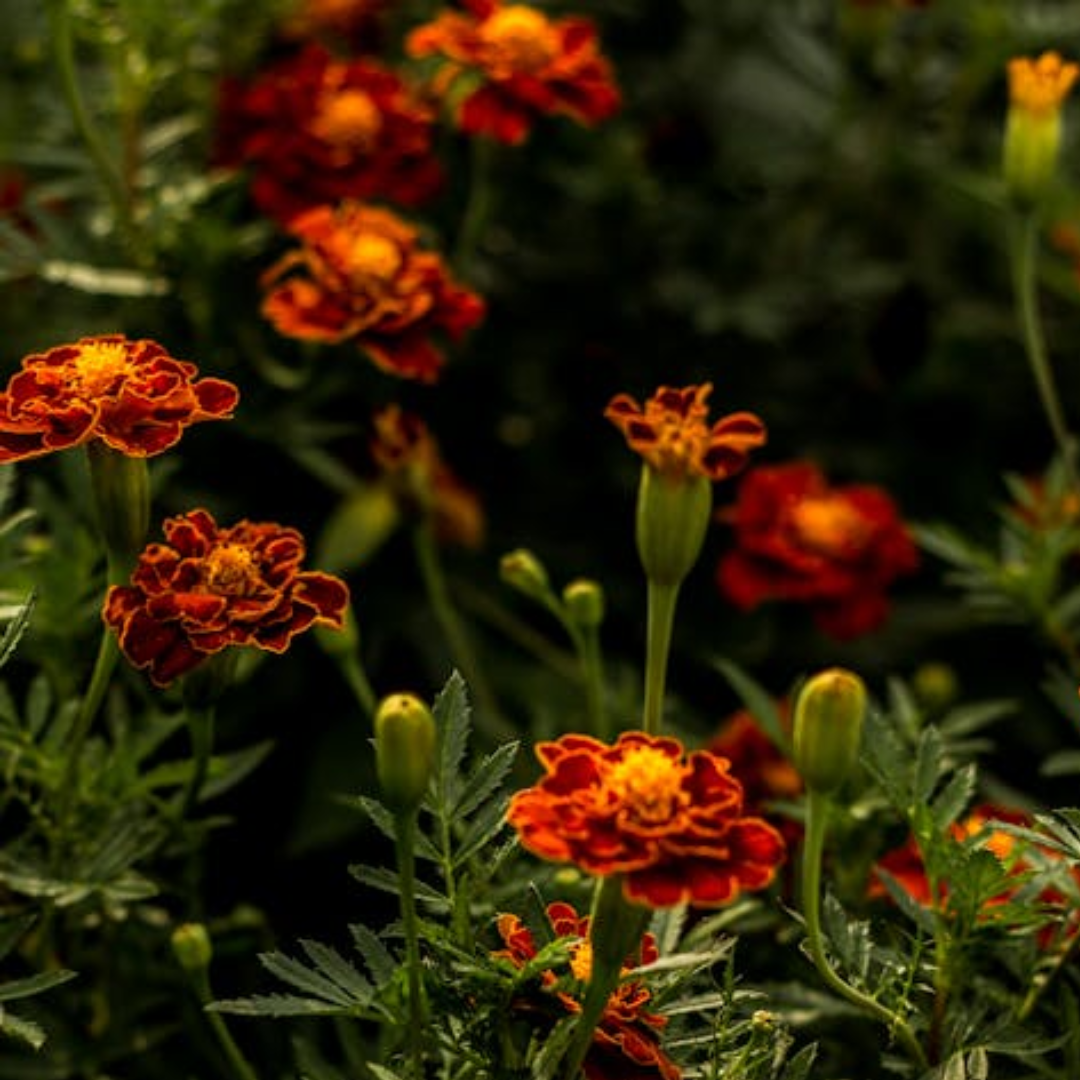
(357, 23)
(208, 587)
(360, 276)
(132, 395)
(673, 435)
(626, 1043)
(314, 129)
(836, 549)
(529, 65)
(409, 458)
(672, 823)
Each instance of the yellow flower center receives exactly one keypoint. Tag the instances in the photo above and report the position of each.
(829, 525)
(1040, 86)
(373, 256)
(581, 961)
(521, 38)
(649, 783)
(232, 570)
(100, 366)
(347, 119)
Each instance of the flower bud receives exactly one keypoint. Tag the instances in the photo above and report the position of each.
(829, 716)
(526, 573)
(584, 602)
(121, 486)
(673, 512)
(405, 739)
(191, 947)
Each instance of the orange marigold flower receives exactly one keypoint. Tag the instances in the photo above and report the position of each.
(314, 129)
(360, 276)
(798, 538)
(1040, 85)
(672, 823)
(672, 433)
(626, 1043)
(207, 588)
(408, 456)
(528, 64)
(132, 395)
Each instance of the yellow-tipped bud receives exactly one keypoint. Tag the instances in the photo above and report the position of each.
(829, 717)
(673, 513)
(525, 572)
(191, 947)
(584, 601)
(405, 739)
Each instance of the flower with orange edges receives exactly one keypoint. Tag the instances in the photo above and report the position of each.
(671, 432)
(835, 548)
(626, 1043)
(130, 394)
(904, 865)
(671, 823)
(207, 588)
(527, 65)
(409, 460)
(359, 275)
(1039, 85)
(313, 129)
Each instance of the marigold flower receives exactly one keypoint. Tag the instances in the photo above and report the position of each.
(207, 588)
(354, 22)
(360, 276)
(529, 65)
(673, 435)
(626, 1043)
(314, 129)
(409, 459)
(836, 549)
(673, 824)
(904, 865)
(132, 395)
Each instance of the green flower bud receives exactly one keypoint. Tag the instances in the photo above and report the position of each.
(525, 572)
(584, 601)
(673, 512)
(191, 947)
(405, 739)
(829, 716)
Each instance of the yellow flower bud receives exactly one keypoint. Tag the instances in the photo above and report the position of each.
(673, 513)
(829, 716)
(1037, 90)
(584, 600)
(526, 573)
(191, 947)
(405, 739)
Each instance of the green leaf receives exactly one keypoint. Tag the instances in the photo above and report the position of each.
(15, 629)
(380, 962)
(486, 778)
(954, 798)
(34, 984)
(758, 702)
(452, 714)
(277, 1005)
(304, 978)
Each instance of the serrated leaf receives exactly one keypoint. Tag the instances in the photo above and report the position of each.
(954, 797)
(928, 765)
(336, 968)
(485, 779)
(277, 1005)
(378, 877)
(452, 714)
(481, 830)
(304, 978)
(378, 958)
(798, 1068)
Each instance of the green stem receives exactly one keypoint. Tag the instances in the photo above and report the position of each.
(660, 621)
(63, 42)
(200, 722)
(405, 827)
(239, 1064)
(478, 207)
(1023, 252)
(457, 637)
(818, 809)
(592, 670)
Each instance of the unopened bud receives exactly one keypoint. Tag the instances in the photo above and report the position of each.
(829, 716)
(584, 601)
(673, 513)
(191, 946)
(405, 739)
(526, 573)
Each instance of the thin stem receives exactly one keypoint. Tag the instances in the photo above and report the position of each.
(405, 826)
(817, 812)
(478, 207)
(200, 722)
(588, 642)
(1023, 252)
(454, 630)
(239, 1064)
(660, 622)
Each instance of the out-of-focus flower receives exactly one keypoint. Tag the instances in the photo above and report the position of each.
(359, 275)
(673, 435)
(314, 129)
(836, 549)
(527, 65)
(1037, 90)
(904, 865)
(207, 588)
(354, 23)
(1046, 506)
(626, 1044)
(410, 462)
(130, 394)
(673, 824)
